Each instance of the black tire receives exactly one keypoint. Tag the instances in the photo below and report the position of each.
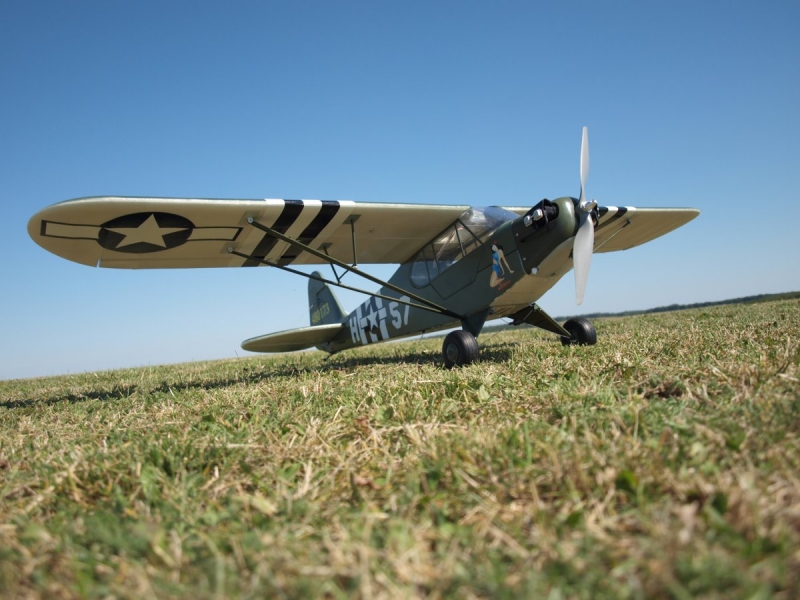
(460, 348)
(582, 333)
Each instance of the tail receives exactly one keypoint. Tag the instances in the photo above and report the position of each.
(323, 306)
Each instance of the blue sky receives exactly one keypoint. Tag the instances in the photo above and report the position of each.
(687, 104)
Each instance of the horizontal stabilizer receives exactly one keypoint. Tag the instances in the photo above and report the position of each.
(294, 339)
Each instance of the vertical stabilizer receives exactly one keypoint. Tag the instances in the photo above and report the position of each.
(323, 306)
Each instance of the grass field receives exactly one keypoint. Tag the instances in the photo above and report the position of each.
(661, 463)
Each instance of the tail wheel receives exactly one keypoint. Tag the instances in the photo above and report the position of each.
(460, 348)
(582, 333)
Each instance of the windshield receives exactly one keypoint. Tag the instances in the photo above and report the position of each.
(468, 232)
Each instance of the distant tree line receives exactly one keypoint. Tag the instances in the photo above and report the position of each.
(674, 307)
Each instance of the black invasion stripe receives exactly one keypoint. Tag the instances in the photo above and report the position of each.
(310, 233)
(620, 211)
(291, 210)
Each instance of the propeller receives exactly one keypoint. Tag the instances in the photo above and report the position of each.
(583, 245)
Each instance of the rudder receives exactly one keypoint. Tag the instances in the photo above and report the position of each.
(324, 308)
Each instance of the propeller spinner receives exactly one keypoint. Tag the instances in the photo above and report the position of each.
(584, 240)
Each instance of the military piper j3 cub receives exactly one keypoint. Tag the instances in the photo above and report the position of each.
(458, 265)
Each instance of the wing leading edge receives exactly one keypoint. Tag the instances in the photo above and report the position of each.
(140, 233)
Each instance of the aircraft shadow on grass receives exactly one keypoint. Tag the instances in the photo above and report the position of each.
(500, 352)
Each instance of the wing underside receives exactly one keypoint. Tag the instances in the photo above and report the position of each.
(138, 233)
(621, 228)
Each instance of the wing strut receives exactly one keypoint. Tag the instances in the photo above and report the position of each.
(533, 315)
(613, 235)
(353, 235)
(329, 282)
(335, 274)
(423, 302)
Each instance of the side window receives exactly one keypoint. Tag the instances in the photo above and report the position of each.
(425, 267)
(469, 231)
(444, 251)
(466, 238)
(430, 262)
(447, 248)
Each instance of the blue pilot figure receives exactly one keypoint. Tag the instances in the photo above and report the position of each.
(498, 261)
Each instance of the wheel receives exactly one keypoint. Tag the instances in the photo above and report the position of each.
(582, 332)
(460, 348)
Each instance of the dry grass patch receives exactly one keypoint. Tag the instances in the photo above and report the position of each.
(661, 463)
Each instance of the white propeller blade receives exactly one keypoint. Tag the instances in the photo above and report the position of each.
(582, 255)
(583, 245)
(584, 163)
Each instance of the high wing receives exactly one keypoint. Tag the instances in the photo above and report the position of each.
(621, 228)
(140, 233)
(626, 227)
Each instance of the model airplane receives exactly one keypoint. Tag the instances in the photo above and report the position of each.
(459, 265)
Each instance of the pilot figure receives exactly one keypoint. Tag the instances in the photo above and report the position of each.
(498, 260)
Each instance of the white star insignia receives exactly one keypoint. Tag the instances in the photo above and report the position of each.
(148, 232)
(372, 317)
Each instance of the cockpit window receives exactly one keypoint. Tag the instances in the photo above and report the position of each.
(469, 231)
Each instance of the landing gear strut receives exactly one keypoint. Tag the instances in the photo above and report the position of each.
(582, 333)
(460, 348)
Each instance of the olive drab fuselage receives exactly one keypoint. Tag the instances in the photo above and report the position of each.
(519, 245)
